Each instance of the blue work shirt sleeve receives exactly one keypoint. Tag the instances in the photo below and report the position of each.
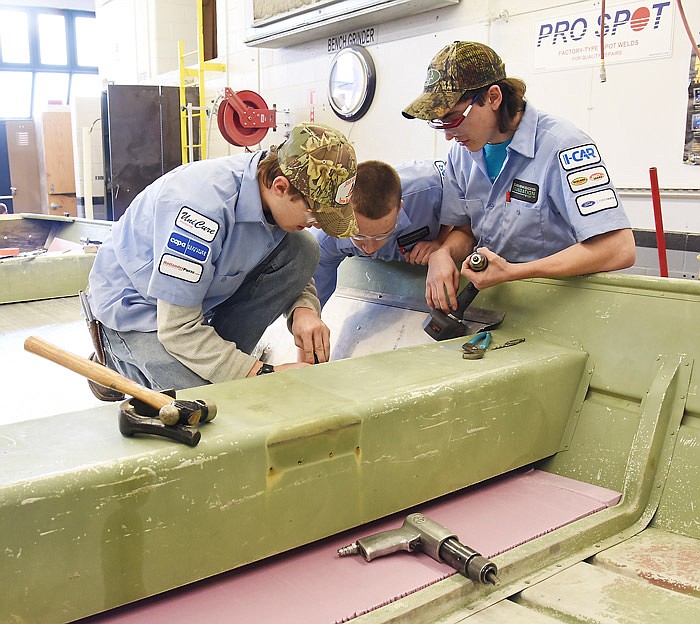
(585, 196)
(326, 275)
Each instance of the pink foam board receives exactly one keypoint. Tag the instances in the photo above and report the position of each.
(312, 585)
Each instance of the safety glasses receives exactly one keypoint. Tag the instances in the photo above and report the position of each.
(439, 124)
(375, 237)
(310, 218)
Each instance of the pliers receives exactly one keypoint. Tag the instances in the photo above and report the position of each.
(475, 347)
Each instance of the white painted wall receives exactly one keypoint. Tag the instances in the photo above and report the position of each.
(87, 137)
(140, 38)
(117, 54)
(76, 5)
(637, 116)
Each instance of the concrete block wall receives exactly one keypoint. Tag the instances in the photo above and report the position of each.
(682, 251)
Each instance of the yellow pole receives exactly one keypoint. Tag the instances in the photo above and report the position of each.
(202, 98)
(186, 140)
(183, 101)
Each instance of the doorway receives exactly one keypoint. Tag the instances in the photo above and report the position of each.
(23, 166)
(5, 184)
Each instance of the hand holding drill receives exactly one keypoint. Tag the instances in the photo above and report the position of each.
(441, 326)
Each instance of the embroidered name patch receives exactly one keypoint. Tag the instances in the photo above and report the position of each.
(596, 201)
(188, 247)
(524, 191)
(588, 178)
(194, 223)
(180, 268)
(580, 156)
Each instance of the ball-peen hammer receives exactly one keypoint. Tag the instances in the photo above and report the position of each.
(171, 411)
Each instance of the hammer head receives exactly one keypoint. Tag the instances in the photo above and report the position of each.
(181, 412)
(132, 421)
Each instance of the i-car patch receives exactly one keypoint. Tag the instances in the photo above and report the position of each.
(580, 156)
(440, 167)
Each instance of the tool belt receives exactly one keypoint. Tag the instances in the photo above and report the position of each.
(101, 392)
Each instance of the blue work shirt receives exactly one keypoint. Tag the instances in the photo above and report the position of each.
(421, 192)
(190, 238)
(554, 191)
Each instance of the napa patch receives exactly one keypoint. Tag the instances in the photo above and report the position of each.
(588, 178)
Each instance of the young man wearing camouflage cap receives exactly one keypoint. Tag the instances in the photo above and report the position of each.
(528, 189)
(210, 254)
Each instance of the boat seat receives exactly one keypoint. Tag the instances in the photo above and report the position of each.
(653, 576)
(291, 458)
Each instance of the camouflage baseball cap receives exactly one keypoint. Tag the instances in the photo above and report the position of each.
(459, 67)
(320, 162)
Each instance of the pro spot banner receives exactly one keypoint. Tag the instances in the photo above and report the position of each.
(632, 31)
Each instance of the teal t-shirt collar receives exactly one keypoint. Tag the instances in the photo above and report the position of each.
(495, 156)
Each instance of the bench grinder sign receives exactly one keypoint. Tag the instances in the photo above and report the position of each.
(632, 32)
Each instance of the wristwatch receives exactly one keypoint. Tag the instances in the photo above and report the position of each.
(265, 368)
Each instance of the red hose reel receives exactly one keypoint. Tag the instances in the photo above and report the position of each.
(244, 117)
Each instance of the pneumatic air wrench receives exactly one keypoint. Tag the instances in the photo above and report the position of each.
(420, 533)
(441, 326)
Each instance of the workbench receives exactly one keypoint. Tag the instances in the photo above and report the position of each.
(52, 260)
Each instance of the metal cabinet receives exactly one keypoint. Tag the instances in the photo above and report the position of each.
(141, 138)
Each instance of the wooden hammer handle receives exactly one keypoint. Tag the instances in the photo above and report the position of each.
(96, 372)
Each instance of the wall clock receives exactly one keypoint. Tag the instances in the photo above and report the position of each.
(351, 83)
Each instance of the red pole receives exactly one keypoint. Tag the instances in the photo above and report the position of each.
(660, 239)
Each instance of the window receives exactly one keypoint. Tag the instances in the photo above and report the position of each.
(52, 39)
(46, 56)
(86, 41)
(49, 88)
(14, 37)
(15, 95)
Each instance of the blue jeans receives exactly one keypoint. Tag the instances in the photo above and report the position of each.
(265, 294)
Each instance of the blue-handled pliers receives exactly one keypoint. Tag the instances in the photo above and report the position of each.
(475, 347)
